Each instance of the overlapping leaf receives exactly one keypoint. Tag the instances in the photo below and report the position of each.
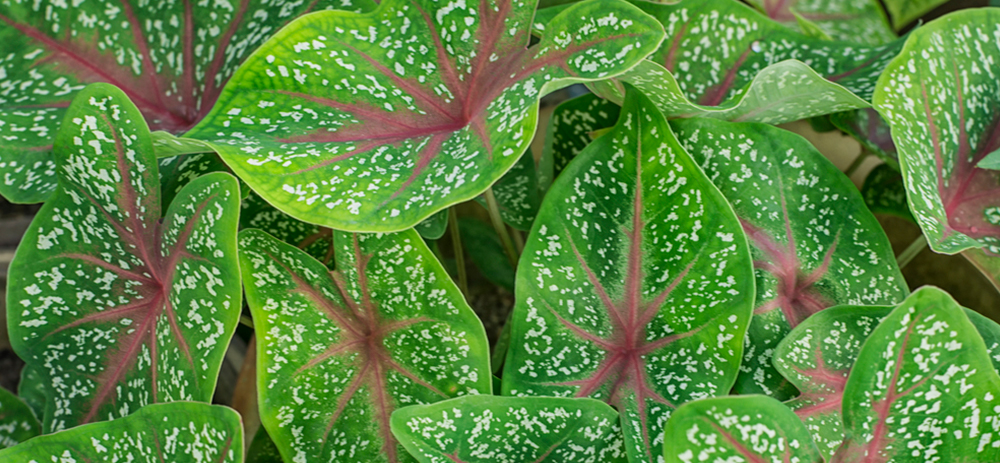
(904, 12)
(31, 388)
(171, 58)
(871, 131)
(485, 250)
(518, 193)
(434, 226)
(814, 242)
(941, 97)
(339, 351)
(374, 122)
(17, 421)
(724, 60)
(313, 239)
(118, 305)
(922, 388)
(861, 21)
(174, 432)
(572, 128)
(635, 284)
(884, 193)
(737, 429)
(491, 429)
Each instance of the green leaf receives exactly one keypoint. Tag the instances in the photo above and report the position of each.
(177, 171)
(903, 12)
(118, 305)
(724, 60)
(941, 97)
(31, 388)
(314, 240)
(851, 20)
(519, 193)
(433, 227)
(990, 161)
(17, 421)
(988, 265)
(922, 388)
(166, 145)
(737, 429)
(572, 128)
(816, 358)
(480, 240)
(174, 432)
(339, 351)
(814, 242)
(635, 283)
(374, 122)
(262, 449)
(171, 59)
(491, 429)
(884, 193)
(871, 131)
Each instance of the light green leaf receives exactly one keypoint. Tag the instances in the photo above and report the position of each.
(903, 12)
(433, 227)
(339, 351)
(941, 97)
(179, 432)
(922, 388)
(750, 428)
(166, 145)
(17, 421)
(635, 286)
(491, 429)
(118, 305)
(990, 161)
(861, 21)
(374, 122)
(814, 242)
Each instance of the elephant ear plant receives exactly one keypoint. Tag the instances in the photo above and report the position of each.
(382, 181)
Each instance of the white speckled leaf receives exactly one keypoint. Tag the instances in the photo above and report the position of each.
(904, 12)
(179, 432)
(861, 21)
(374, 122)
(177, 171)
(313, 239)
(635, 286)
(491, 429)
(751, 429)
(119, 305)
(572, 126)
(170, 57)
(884, 193)
(922, 389)
(339, 351)
(518, 193)
(17, 421)
(814, 242)
(722, 59)
(816, 358)
(941, 97)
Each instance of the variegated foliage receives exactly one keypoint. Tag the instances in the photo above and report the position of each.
(862, 21)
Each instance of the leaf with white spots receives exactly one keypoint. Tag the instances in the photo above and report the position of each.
(863, 21)
(884, 193)
(941, 97)
(572, 128)
(433, 227)
(177, 171)
(923, 389)
(518, 193)
(338, 351)
(723, 60)
(17, 421)
(491, 429)
(118, 305)
(180, 432)
(814, 242)
(374, 122)
(313, 239)
(31, 388)
(636, 284)
(871, 131)
(751, 429)
(171, 58)
(903, 12)
(262, 449)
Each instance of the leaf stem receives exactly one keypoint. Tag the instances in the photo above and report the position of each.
(857, 162)
(911, 251)
(456, 242)
(500, 227)
(518, 240)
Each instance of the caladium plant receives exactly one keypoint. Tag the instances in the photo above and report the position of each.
(118, 304)
(171, 59)
(635, 263)
(17, 422)
(855, 20)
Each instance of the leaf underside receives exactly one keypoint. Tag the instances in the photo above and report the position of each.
(635, 264)
(340, 350)
(118, 305)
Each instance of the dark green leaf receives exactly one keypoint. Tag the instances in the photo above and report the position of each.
(572, 128)
(861, 21)
(315, 240)
(871, 131)
(17, 421)
(884, 193)
(903, 12)
(262, 449)
(481, 242)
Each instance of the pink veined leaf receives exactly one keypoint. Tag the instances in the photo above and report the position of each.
(340, 350)
(635, 265)
(118, 305)
(814, 242)
(941, 97)
(170, 58)
(374, 122)
(859, 21)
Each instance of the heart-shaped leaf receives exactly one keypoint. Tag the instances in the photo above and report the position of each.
(871, 131)
(751, 428)
(814, 242)
(374, 122)
(174, 432)
(724, 60)
(339, 351)
(922, 388)
(941, 97)
(635, 284)
(119, 305)
(852, 20)
(17, 421)
(884, 193)
(491, 429)
(170, 58)
(572, 128)
(313, 239)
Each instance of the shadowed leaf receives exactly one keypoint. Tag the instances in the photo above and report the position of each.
(572, 128)
(871, 131)
(861, 21)
(904, 12)
(315, 240)
(17, 421)
(884, 193)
